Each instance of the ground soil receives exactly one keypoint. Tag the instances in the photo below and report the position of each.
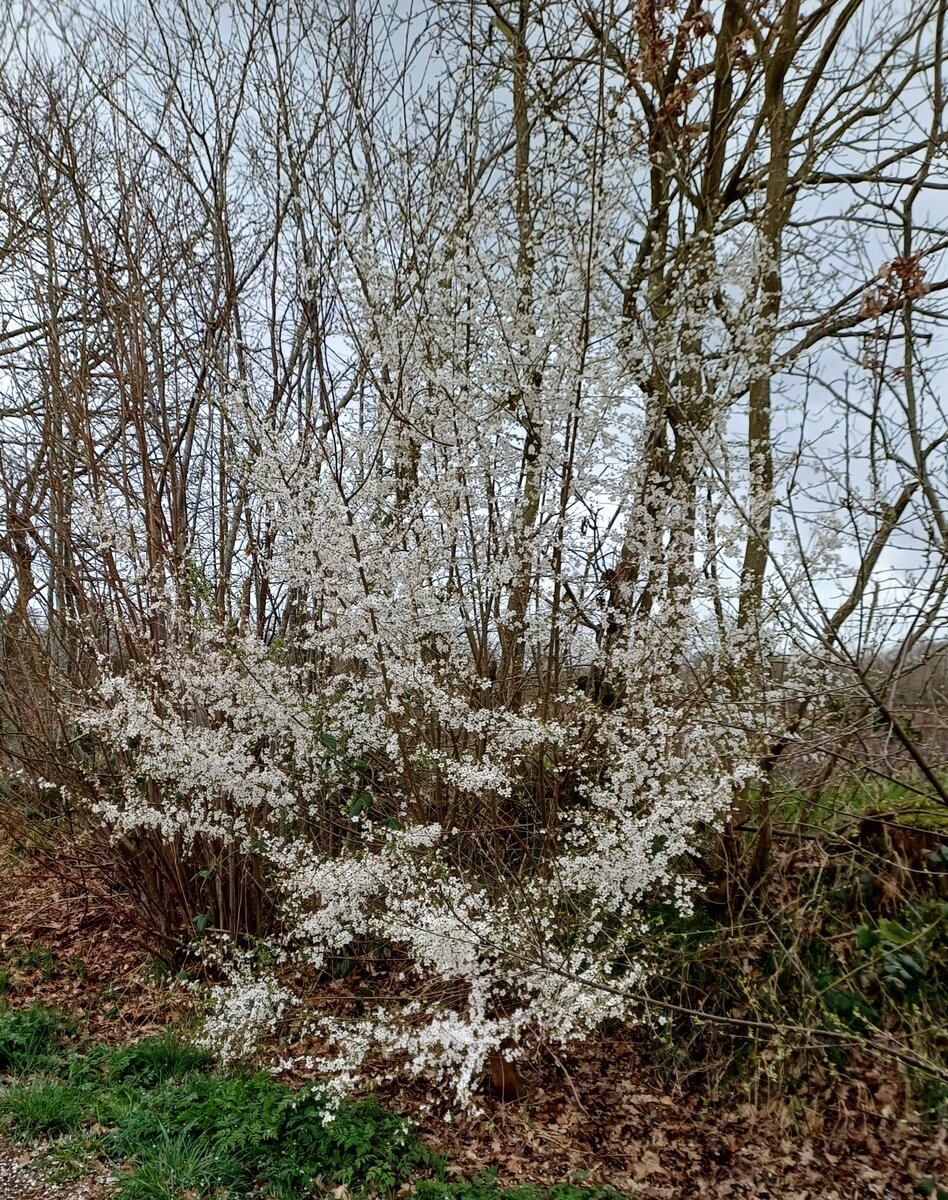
(603, 1115)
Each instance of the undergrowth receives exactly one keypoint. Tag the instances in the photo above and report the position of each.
(31, 1041)
(843, 945)
(484, 1187)
(172, 1127)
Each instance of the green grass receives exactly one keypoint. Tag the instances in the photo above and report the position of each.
(484, 1187)
(170, 1127)
(36, 957)
(31, 1040)
(42, 1108)
(157, 1060)
(255, 1129)
(175, 1163)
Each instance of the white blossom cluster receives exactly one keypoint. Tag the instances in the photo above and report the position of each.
(227, 741)
(411, 763)
(401, 744)
(242, 1011)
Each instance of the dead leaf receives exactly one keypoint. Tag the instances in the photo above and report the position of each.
(648, 1164)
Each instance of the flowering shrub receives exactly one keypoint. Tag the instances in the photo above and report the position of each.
(383, 714)
(394, 808)
(373, 374)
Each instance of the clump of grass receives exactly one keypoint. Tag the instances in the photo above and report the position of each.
(156, 1060)
(484, 1186)
(69, 1157)
(31, 1040)
(42, 1108)
(35, 957)
(174, 1165)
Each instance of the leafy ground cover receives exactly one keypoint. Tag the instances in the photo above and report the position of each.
(169, 1126)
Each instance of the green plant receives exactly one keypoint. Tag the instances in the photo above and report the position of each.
(156, 971)
(36, 957)
(901, 963)
(156, 1060)
(484, 1186)
(362, 1145)
(42, 1107)
(30, 1040)
(175, 1165)
(178, 1129)
(928, 1187)
(280, 1137)
(849, 939)
(70, 1158)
